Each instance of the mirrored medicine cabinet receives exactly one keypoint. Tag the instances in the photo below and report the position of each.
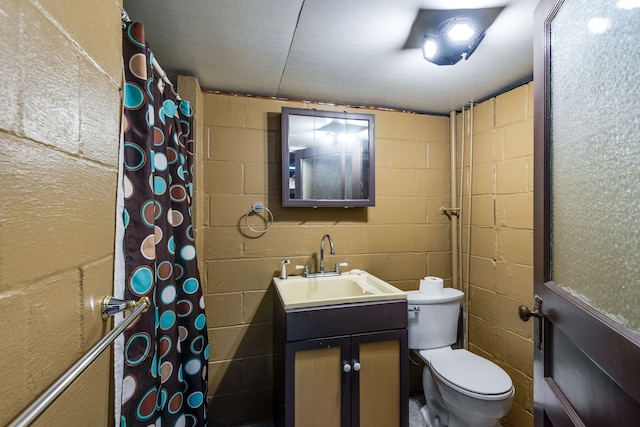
(327, 158)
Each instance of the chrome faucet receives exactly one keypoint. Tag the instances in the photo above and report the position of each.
(333, 252)
(321, 272)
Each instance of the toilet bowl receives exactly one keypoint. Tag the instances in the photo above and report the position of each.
(464, 389)
(461, 388)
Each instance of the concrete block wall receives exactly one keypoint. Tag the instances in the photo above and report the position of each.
(501, 264)
(59, 133)
(403, 238)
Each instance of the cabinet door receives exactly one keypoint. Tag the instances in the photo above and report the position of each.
(380, 388)
(320, 384)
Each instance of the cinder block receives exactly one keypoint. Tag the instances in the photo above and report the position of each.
(13, 364)
(395, 125)
(223, 309)
(223, 177)
(430, 238)
(241, 408)
(47, 52)
(435, 213)
(483, 211)
(482, 334)
(507, 318)
(239, 275)
(433, 183)
(224, 110)
(97, 283)
(523, 384)
(11, 72)
(235, 206)
(237, 144)
(515, 246)
(53, 327)
(221, 243)
(483, 117)
(87, 400)
(520, 353)
(402, 154)
(515, 281)
(483, 242)
(438, 156)
(95, 26)
(514, 176)
(482, 303)
(236, 342)
(482, 272)
(511, 106)
(518, 139)
(224, 377)
(483, 179)
(262, 179)
(257, 307)
(484, 146)
(100, 114)
(278, 241)
(256, 372)
(519, 417)
(266, 114)
(432, 128)
(398, 210)
(439, 265)
(515, 210)
(34, 207)
(395, 182)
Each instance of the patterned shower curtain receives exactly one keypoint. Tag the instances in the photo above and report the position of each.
(165, 353)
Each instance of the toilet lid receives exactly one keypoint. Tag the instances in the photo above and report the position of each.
(468, 372)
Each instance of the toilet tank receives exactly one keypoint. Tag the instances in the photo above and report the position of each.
(433, 319)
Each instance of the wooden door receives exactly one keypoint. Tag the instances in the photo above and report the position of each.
(587, 214)
(380, 396)
(320, 384)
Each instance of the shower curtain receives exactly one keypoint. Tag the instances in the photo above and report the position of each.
(161, 363)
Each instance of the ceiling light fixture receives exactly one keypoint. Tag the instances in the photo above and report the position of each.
(456, 38)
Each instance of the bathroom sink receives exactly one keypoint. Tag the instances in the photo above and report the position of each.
(354, 286)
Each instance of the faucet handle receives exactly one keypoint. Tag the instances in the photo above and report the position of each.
(342, 264)
(305, 267)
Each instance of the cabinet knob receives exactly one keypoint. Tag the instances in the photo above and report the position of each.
(356, 366)
(346, 367)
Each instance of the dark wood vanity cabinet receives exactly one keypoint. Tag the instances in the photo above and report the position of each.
(341, 365)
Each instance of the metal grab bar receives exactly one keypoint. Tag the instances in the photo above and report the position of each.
(49, 396)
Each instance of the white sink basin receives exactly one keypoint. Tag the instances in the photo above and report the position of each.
(299, 292)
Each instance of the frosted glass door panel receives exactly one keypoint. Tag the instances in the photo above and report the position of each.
(595, 155)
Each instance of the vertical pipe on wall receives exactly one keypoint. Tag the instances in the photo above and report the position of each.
(460, 218)
(454, 203)
(468, 266)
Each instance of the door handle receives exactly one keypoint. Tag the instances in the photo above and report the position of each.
(525, 314)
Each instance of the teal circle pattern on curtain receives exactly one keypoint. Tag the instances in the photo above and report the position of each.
(166, 349)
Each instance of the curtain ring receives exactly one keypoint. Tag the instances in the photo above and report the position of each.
(257, 208)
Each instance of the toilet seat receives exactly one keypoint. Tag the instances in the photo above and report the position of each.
(471, 375)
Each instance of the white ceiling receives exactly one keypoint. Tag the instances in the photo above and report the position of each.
(337, 51)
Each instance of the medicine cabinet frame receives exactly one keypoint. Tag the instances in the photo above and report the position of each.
(328, 158)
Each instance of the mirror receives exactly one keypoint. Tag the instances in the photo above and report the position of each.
(327, 158)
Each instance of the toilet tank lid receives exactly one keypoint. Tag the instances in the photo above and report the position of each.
(448, 295)
(471, 372)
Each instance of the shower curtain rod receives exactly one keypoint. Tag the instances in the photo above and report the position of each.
(156, 65)
(29, 415)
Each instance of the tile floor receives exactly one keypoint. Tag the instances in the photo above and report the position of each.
(415, 419)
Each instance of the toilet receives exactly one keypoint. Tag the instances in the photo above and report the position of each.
(461, 388)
